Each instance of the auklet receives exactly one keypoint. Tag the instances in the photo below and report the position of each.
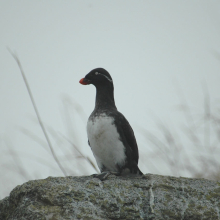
(110, 136)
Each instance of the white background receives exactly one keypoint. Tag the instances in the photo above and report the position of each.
(155, 51)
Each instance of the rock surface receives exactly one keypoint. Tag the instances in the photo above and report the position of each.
(148, 197)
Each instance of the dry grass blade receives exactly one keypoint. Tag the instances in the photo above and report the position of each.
(36, 111)
(207, 116)
(35, 138)
(81, 154)
(17, 161)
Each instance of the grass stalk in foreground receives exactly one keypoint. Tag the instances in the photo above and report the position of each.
(36, 111)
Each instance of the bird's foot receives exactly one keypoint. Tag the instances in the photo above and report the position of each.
(104, 175)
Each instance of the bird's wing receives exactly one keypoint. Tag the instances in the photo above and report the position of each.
(127, 136)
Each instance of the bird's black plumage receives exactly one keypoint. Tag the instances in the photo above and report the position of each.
(104, 118)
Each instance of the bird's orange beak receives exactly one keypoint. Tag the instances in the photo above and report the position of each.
(84, 81)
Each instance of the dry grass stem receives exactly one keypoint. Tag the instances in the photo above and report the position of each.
(36, 111)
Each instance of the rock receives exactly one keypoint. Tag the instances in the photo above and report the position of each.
(148, 197)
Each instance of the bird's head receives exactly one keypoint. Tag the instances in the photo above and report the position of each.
(97, 77)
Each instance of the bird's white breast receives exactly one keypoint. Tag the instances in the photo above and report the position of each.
(104, 142)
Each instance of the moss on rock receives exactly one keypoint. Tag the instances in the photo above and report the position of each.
(148, 197)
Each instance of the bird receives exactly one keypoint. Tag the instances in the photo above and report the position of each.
(110, 135)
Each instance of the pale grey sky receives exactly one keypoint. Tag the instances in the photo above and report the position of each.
(151, 49)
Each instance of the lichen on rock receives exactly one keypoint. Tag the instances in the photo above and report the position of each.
(147, 197)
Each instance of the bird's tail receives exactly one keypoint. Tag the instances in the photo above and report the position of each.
(136, 170)
(139, 172)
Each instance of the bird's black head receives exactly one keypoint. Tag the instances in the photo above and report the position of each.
(97, 77)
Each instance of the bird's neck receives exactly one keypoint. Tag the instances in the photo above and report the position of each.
(105, 98)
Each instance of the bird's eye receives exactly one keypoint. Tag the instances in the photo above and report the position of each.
(97, 73)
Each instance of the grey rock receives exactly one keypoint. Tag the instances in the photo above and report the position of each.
(85, 197)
